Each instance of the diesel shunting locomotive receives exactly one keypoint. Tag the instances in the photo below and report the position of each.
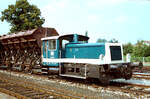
(73, 56)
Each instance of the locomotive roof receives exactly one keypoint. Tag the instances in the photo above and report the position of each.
(50, 38)
(67, 37)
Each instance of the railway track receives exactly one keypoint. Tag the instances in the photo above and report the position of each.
(48, 92)
(21, 91)
(141, 76)
(131, 87)
(28, 90)
(145, 69)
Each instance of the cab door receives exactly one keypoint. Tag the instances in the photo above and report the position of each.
(53, 51)
(44, 49)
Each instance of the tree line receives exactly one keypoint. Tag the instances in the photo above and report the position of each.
(140, 49)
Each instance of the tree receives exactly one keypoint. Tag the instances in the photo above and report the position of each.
(128, 48)
(101, 40)
(147, 52)
(141, 49)
(22, 16)
(113, 40)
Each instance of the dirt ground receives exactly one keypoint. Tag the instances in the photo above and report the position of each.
(5, 96)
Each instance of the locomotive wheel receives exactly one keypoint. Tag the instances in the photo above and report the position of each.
(104, 79)
(127, 73)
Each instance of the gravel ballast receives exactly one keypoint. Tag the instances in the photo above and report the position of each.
(77, 88)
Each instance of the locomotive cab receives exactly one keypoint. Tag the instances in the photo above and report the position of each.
(50, 50)
(55, 48)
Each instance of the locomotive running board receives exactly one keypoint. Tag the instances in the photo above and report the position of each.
(78, 60)
(74, 76)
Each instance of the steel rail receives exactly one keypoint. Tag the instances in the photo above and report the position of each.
(42, 89)
(127, 87)
(141, 76)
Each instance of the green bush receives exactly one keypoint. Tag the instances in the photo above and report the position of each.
(147, 59)
(140, 59)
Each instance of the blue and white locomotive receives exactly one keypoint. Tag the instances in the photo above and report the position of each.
(72, 56)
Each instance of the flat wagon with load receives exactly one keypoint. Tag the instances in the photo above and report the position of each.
(22, 50)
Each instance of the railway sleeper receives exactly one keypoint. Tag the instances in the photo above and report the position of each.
(40, 96)
(11, 88)
(26, 92)
(3, 84)
(33, 94)
(21, 90)
(13, 93)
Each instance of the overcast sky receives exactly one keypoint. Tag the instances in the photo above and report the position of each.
(124, 20)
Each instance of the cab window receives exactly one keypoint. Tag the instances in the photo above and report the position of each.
(64, 42)
(45, 46)
(52, 44)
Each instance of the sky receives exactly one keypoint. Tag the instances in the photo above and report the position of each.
(124, 20)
